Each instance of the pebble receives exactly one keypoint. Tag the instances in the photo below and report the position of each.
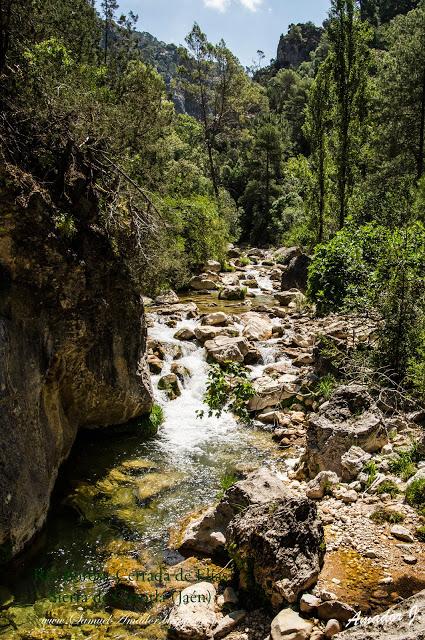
(410, 559)
(332, 628)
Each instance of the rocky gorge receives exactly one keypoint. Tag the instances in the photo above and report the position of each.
(288, 526)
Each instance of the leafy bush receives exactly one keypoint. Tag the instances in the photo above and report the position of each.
(403, 466)
(339, 275)
(382, 515)
(228, 387)
(415, 493)
(388, 486)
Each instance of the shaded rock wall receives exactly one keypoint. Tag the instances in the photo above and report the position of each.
(72, 349)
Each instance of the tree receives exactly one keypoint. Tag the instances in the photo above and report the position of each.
(348, 63)
(109, 7)
(317, 130)
(216, 82)
(263, 188)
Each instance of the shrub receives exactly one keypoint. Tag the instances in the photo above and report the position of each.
(228, 387)
(415, 493)
(388, 486)
(405, 465)
(244, 261)
(382, 515)
(339, 275)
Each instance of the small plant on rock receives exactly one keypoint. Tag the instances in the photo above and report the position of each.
(382, 515)
(226, 481)
(415, 493)
(325, 386)
(388, 486)
(371, 471)
(405, 465)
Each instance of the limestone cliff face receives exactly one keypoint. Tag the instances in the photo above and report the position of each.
(295, 47)
(72, 351)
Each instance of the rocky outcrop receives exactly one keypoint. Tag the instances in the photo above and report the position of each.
(72, 349)
(206, 535)
(348, 420)
(296, 273)
(295, 47)
(278, 547)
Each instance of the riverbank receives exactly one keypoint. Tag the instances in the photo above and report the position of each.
(127, 503)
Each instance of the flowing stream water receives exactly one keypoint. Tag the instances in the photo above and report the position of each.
(96, 506)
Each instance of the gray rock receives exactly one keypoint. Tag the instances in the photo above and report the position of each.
(168, 297)
(404, 621)
(401, 533)
(288, 625)
(279, 547)
(228, 623)
(269, 392)
(232, 293)
(202, 283)
(332, 628)
(256, 326)
(296, 273)
(223, 349)
(353, 461)
(335, 609)
(201, 535)
(218, 318)
(194, 619)
(340, 426)
(317, 487)
(309, 603)
(184, 334)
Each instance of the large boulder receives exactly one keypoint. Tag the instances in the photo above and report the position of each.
(348, 420)
(206, 332)
(404, 621)
(216, 319)
(256, 326)
(296, 273)
(286, 254)
(193, 615)
(204, 282)
(206, 534)
(278, 547)
(232, 293)
(223, 349)
(269, 392)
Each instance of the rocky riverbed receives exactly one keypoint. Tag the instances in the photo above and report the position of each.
(284, 528)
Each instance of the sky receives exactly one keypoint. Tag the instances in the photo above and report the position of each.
(245, 25)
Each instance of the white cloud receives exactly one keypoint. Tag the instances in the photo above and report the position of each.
(223, 5)
(252, 5)
(220, 5)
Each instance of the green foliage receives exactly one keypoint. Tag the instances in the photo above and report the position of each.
(325, 386)
(405, 464)
(371, 470)
(420, 533)
(382, 515)
(226, 481)
(228, 388)
(388, 486)
(415, 493)
(340, 273)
